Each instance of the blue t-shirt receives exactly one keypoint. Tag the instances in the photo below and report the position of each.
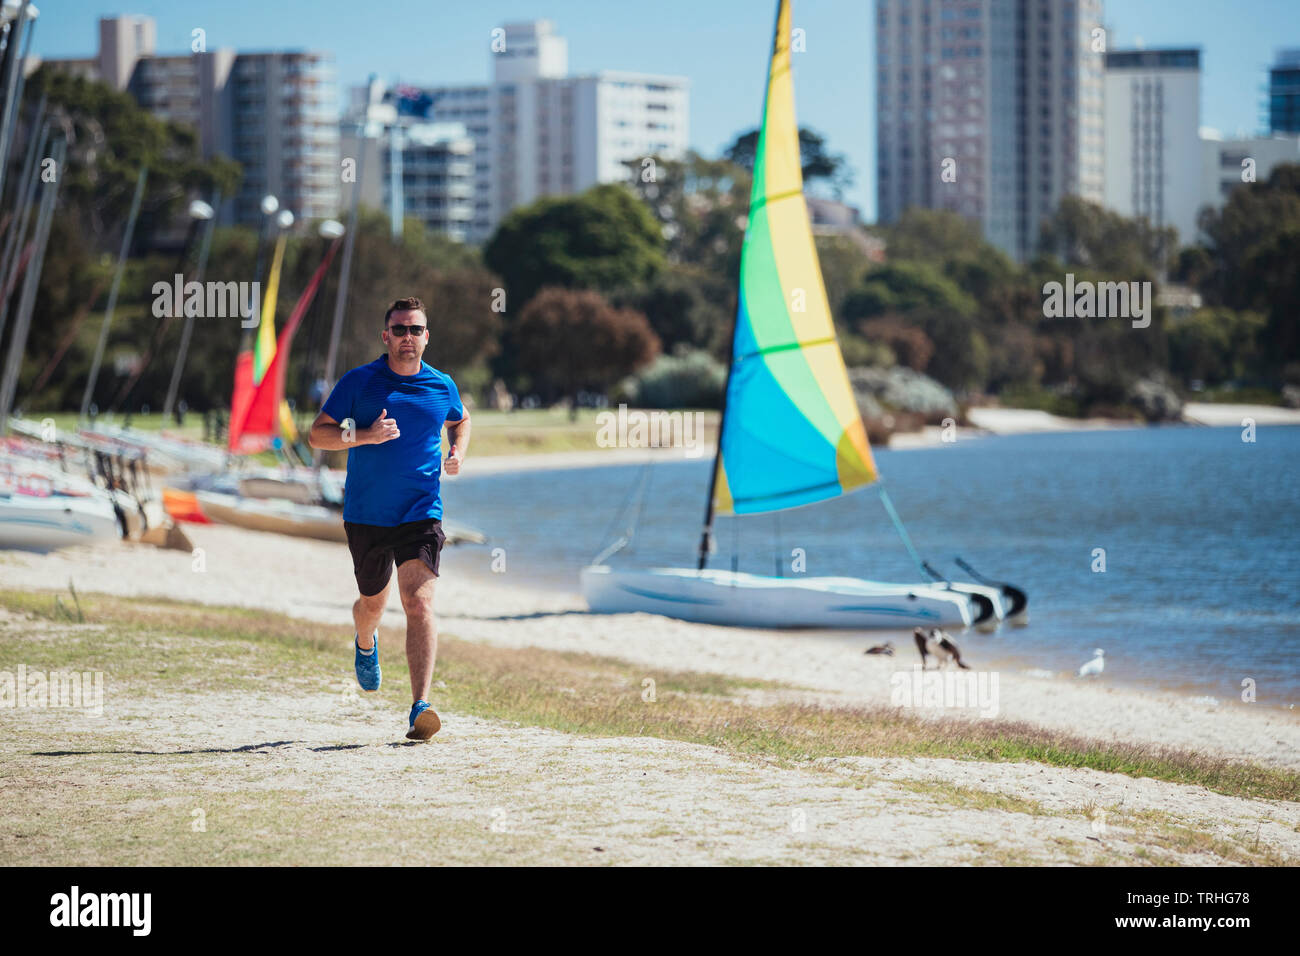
(399, 480)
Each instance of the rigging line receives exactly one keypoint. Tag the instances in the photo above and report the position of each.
(608, 544)
(902, 532)
(735, 545)
(646, 475)
(776, 542)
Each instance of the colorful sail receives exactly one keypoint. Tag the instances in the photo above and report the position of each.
(792, 433)
(258, 410)
(264, 345)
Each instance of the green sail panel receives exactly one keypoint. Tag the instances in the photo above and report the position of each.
(792, 434)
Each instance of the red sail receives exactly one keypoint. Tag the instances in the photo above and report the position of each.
(254, 418)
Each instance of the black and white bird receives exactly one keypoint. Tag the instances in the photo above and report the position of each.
(885, 648)
(937, 642)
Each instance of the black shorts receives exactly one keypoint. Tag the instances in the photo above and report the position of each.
(375, 548)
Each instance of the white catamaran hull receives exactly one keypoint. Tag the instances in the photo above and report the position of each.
(43, 523)
(993, 595)
(751, 600)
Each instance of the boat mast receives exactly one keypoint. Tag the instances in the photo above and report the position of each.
(706, 536)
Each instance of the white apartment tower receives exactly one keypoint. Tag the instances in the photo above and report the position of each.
(989, 108)
(538, 131)
(1153, 149)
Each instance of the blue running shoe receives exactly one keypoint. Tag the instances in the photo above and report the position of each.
(424, 722)
(368, 674)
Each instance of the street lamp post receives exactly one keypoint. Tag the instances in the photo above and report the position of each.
(328, 230)
(188, 328)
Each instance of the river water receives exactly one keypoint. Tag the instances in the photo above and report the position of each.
(1199, 532)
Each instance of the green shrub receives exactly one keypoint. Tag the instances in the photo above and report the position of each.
(688, 379)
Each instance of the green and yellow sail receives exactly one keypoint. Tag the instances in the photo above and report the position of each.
(792, 433)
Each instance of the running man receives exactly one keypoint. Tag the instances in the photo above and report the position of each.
(392, 508)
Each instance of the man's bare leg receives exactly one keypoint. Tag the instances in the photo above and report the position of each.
(415, 583)
(366, 613)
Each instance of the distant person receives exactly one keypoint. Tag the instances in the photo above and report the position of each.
(389, 415)
(318, 390)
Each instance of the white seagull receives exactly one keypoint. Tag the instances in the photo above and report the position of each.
(1094, 666)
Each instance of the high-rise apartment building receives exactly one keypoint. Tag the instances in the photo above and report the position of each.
(1284, 93)
(411, 166)
(1229, 164)
(538, 131)
(283, 124)
(989, 108)
(1153, 151)
(274, 113)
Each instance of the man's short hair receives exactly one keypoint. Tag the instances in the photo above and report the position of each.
(409, 304)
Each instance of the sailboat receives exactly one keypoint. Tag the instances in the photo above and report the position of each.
(43, 507)
(791, 432)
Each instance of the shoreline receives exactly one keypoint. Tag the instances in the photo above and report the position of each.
(1022, 662)
(312, 580)
(986, 422)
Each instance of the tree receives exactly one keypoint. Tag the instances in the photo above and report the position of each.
(464, 329)
(1216, 345)
(701, 206)
(931, 235)
(902, 287)
(1254, 215)
(685, 306)
(112, 137)
(603, 239)
(817, 163)
(909, 344)
(1255, 244)
(917, 296)
(1082, 233)
(843, 263)
(573, 340)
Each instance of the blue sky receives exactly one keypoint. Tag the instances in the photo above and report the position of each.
(719, 45)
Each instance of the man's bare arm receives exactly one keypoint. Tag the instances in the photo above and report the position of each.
(458, 442)
(329, 435)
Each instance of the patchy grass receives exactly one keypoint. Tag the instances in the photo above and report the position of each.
(165, 646)
(1159, 830)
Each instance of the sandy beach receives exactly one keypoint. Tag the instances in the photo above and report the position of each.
(1219, 415)
(1025, 421)
(626, 790)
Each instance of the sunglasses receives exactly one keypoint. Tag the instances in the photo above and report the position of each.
(401, 330)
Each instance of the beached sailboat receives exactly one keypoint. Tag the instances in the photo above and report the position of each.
(43, 508)
(791, 431)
